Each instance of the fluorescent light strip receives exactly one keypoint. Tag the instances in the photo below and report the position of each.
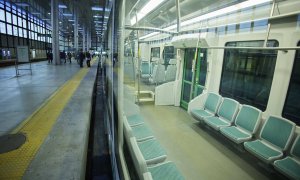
(219, 12)
(145, 10)
(62, 6)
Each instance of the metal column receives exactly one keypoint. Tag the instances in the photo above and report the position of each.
(75, 29)
(84, 39)
(178, 15)
(55, 31)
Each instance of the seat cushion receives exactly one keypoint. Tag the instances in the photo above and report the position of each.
(200, 114)
(152, 151)
(142, 132)
(135, 120)
(216, 122)
(167, 171)
(235, 134)
(263, 151)
(289, 167)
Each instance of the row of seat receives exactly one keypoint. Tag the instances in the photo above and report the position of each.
(157, 73)
(147, 153)
(240, 123)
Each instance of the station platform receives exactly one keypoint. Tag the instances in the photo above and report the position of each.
(52, 108)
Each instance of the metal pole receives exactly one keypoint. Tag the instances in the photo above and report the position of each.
(55, 32)
(84, 39)
(178, 15)
(269, 24)
(138, 59)
(75, 28)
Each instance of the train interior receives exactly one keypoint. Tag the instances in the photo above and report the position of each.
(175, 55)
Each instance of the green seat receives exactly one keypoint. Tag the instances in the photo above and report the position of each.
(152, 151)
(164, 171)
(226, 114)
(142, 132)
(290, 166)
(210, 107)
(246, 125)
(135, 120)
(275, 136)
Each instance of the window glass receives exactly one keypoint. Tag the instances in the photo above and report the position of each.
(15, 22)
(15, 30)
(20, 32)
(2, 28)
(260, 25)
(247, 74)
(24, 23)
(19, 21)
(291, 108)
(7, 6)
(2, 16)
(245, 27)
(9, 30)
(8, 17)
(155, 52)
(168, 53)
(25, 33)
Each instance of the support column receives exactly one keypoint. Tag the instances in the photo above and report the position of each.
(178, 15)
(84, 39)
(75, 29)
(55, 32)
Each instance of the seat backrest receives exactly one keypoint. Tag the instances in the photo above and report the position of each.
(278, 131)
(295, 151)
(145, 67)
(248, 118)
(228, 109)
(212, 102)
(137, 157)
(171, 73)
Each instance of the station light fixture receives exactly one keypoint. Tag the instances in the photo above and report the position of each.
(22, 4)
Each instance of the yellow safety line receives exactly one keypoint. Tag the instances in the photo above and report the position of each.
(37, 127)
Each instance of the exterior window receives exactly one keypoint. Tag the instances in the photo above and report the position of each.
(24, 23)
(247, 74)
(20, 32)
(2, 16)
(8, 17)
(168, 53)
(15, 30)
(2, 28)
(19, 21)
(291, 108)
(9, 30)
(15, 22)
(155, 52)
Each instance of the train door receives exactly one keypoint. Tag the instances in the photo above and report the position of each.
(193, 82)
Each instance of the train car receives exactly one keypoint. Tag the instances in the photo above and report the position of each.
(208, 89)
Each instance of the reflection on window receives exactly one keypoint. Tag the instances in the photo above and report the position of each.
(189, 55)
(2, 16)
(2, 28)
(168, 53)
(247, 74)
(8, 17)
(9, 30)
(245, 27)
(260, 25)
(20, 32)
(291, 108)
(24, 23)
(15, 29)
(155, 52)
(19, 21)
(15, 22)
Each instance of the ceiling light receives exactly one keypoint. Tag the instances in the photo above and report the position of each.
(152, 4)
(97, 16)
(35, 13)
(49, 13)
(97, 8)
(62, 6)
(67, 14)
(46, 19)
(229, 9)
(71, 20)
(22, 4)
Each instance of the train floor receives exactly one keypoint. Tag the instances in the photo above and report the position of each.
(200, 152)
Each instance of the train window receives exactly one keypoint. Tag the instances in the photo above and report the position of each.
(168, 53)
(291, 108)
(155, 52)
(247, 74)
